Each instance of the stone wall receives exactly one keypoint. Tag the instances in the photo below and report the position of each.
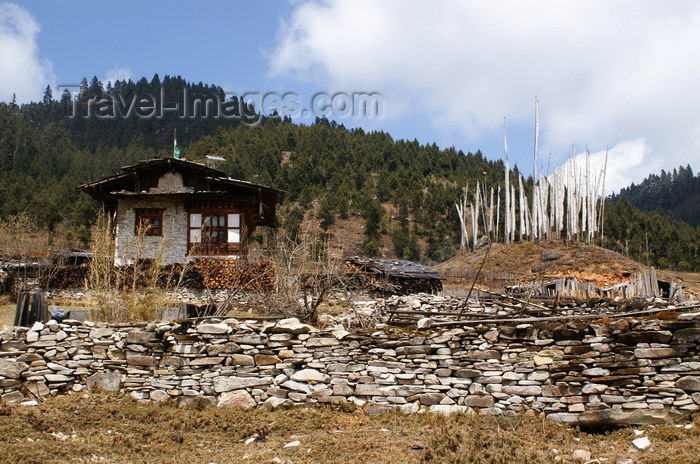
(625, 371)
(172, 245)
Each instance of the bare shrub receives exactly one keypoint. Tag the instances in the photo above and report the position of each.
(289, 277)
(102, 273)
(304, 275)
(31, 252)
(135, 292)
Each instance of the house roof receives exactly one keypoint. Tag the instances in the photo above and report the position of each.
(168, 164)
(137, 179)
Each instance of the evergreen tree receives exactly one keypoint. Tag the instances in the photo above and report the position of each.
(48, 96)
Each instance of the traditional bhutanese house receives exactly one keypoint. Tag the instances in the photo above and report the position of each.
(171, 208)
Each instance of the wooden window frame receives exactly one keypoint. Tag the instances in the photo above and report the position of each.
(151, 215)
(214, 247)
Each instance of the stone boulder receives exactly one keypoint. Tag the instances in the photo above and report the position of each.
(225, 384)
(107, 381)
(158, 396)
(310, 375)
(236, 399)
(689, 335)
(550, 255)
(213, 329)
(292, 326)
(650, 336)
(429, 399)
(12, 369)
(605, 417)
(689, 383)
(223, 348)
(275, 402)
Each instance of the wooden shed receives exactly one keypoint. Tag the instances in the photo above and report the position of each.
(395, 276)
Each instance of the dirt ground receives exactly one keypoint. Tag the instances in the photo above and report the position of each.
(7, 311)
(117, 429)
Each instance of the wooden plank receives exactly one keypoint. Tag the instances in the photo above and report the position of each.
(517, 300)
(426, 313)
(521, 320)
(647, 284)
(654, 283)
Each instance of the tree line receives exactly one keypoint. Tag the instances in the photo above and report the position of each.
(44, 155)
(676, 192)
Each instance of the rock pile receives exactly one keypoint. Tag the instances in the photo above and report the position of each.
(626, 371)
(406, 310)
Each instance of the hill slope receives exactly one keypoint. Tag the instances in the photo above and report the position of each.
(589, 263)
(370, 193)
(677, 193)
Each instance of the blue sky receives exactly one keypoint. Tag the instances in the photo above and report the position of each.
(621, 74)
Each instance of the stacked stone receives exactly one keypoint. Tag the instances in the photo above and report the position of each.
(43, 360)
(423, 302)
(624, 371)
(628, 371)
(435, 306)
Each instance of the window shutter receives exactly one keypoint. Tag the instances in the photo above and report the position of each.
(234, 228)
(195, 236)
(234, 235)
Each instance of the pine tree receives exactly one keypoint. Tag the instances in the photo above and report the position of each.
(48, 96)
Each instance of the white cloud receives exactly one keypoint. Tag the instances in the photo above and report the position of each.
(626, 160)
(22, 70)
(622, 73)
(117, 73)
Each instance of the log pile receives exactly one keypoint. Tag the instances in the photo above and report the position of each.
(214, 273)
(220, 273)
(71, 276)
(48, 275)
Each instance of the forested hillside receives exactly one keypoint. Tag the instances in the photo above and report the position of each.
(50, 147)
(402, 192)
(677, 192)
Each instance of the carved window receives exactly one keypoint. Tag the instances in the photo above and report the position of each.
(215, 232)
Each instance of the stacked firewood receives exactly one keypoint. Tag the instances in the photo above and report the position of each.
(64, 277)
(214, 273)
(417, 286)
(218, 273)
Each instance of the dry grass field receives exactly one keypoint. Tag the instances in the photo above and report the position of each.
(7, 314)
(116, 429)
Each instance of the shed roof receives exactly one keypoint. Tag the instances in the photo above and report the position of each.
(396, 268)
